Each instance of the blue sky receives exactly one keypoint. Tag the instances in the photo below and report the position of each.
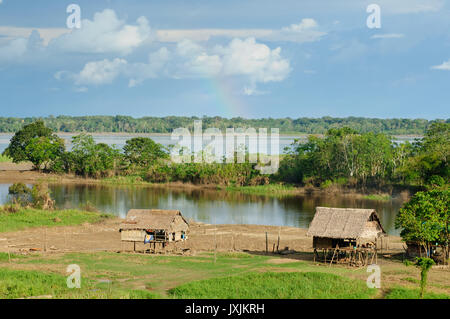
(230, 58)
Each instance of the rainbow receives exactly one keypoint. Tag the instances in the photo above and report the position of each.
(228, 102)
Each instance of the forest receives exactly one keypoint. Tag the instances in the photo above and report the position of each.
(343, 156)
(303, 125)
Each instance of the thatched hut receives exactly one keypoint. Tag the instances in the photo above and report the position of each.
(154, 226)
(341, 228)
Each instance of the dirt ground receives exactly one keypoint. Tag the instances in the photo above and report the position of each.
(105, 236)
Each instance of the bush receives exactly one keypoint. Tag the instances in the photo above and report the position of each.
(20, 194)
(38, 196)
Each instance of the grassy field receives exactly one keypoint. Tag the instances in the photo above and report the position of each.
(378, 197)
(277, 190)
(27, 217)
(232, 275)
(287, 285)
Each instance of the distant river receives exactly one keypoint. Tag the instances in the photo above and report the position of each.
(212, 206)
(119, 139)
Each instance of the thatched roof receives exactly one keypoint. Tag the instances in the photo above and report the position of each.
(342, 223)
(160, 219)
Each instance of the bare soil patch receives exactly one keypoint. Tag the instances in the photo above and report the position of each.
(105, 236)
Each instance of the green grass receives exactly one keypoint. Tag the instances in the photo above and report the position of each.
(27, 283)
(307, 285)
(27, 217)
(5, 159)
(406, 293)
(233, 275)
(125, 180)
(277, 190)
(377, 197)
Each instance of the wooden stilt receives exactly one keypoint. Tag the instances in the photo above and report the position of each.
(332, 258)
(267, 244)
(278, 242)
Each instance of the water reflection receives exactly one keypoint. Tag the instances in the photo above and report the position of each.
(212, 206)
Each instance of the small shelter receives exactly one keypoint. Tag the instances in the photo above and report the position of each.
(154, 226)
(343, 230)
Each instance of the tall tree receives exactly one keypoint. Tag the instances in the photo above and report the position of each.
(18, 148)
(425, 219)
(143, 151)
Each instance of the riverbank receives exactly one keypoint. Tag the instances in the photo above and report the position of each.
(194, 268)
(13, 173)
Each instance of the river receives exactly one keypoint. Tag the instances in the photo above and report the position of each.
(211, 206)
(165, 139)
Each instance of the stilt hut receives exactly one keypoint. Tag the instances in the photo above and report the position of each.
(154, 226)
(346, 234)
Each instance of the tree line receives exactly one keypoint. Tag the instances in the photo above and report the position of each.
(303, 125)
(342, 156)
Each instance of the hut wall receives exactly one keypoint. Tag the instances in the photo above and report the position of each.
(320, 243)
(133, 235)
(371, 232)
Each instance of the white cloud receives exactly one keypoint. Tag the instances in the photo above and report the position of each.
(444, 66)
(255, 60)
(252, 61)
(104, 34)
(46, 34)
(305, 24)
(305, 31)
(100, 72)
(13, 49)
(388, 36)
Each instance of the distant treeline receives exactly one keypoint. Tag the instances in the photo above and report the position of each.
(128, 124)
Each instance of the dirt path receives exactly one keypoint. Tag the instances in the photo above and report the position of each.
(105, 236)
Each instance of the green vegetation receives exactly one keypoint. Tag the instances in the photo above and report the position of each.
(277, 190)
(378, 197)
(167, 124)
(143, 152)
(22, 218)
(342, 158)
(35, 143)
(232, 275)
(425, 265)
(25, 283)
(425, 219)
(307, 285)
(37, 196)
(405, 293)
(5, 159)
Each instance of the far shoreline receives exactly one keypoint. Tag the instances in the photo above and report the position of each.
(23, 172)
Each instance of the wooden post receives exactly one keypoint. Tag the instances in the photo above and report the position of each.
(134, 246)
(65, 240)
(278, 243)
(267, 244)
(45, 239)
(332, 258)
(215, 245)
